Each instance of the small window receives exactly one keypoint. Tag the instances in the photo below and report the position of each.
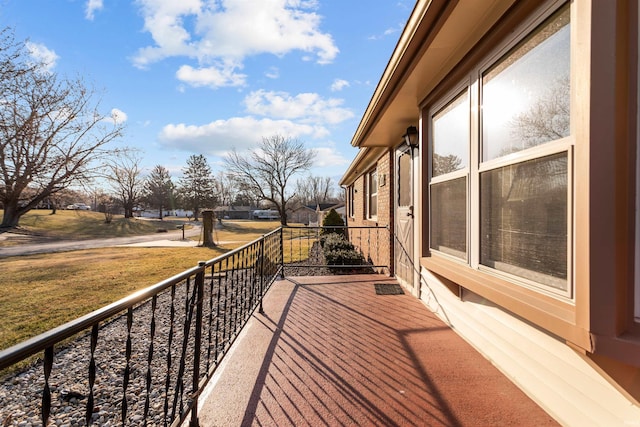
(372, 194)
(450, 141)
(350, 201)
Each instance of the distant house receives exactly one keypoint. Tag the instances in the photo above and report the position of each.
(155, 213)
(501, 148)
(313, 214)
(233, 212)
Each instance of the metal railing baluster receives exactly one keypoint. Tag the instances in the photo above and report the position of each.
(167, 384)
(210, 319)
(261, 260)
(92, 374)
(152, 333)
(197, 344)
(243, 289)
(46, 393)
(127, 368)
(178, 397)
(226, 317)
(218, 315)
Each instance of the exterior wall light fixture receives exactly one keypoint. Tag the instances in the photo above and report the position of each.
(411, 137)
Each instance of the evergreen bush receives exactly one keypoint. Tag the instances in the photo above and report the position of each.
(344, 257)
(339, 251)
(335, 241)
(333, 219)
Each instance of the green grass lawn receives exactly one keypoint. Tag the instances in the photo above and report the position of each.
(76, 224)
(71, 284)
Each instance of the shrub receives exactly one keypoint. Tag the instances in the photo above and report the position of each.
(333, 219)
(339, 251)
(333, 241)
(344, 257)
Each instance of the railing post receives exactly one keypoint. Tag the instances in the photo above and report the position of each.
(197, 345)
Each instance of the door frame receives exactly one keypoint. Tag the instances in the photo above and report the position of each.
(402, 212)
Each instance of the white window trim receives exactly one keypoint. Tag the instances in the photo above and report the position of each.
(456, 91)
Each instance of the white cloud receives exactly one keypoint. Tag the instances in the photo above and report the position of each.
(328, 157)
(214, 76)
(42, 55)
(231, 30)
(118, 116)
(91, 7)
(339, 84)
(272, 73)
(305, 107)
(221, 136)
(388, 32)
(163, 19)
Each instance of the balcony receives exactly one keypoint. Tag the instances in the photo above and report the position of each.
(331, 351)
(232, 342)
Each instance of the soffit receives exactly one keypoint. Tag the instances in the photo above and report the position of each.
(364, 160)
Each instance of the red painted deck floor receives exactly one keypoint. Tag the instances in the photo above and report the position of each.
(329, 351)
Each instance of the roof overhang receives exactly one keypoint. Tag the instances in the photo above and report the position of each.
(437, 36)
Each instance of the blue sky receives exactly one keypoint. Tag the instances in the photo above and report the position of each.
(207, 76)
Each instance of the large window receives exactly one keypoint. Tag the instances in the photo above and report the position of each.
(501, 154)
(372, 194)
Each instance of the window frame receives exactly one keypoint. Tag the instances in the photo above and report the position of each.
(476, 166)
(443, 102)
(351, 201)
(371, 193)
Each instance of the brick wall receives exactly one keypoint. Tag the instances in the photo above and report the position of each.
(375, 244)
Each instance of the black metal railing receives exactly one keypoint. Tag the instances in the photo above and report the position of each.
(145, 359)
(303, 247)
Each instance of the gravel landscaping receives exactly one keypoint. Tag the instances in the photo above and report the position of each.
(21, 393)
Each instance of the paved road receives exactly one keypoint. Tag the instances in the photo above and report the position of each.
(171, 238)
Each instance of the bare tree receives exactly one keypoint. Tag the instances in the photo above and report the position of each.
(268, 169)
(227, 189)
(159, 189)
(314, 190)
(445, 163)
(51, 132)
(126, 180)
(547, 118)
